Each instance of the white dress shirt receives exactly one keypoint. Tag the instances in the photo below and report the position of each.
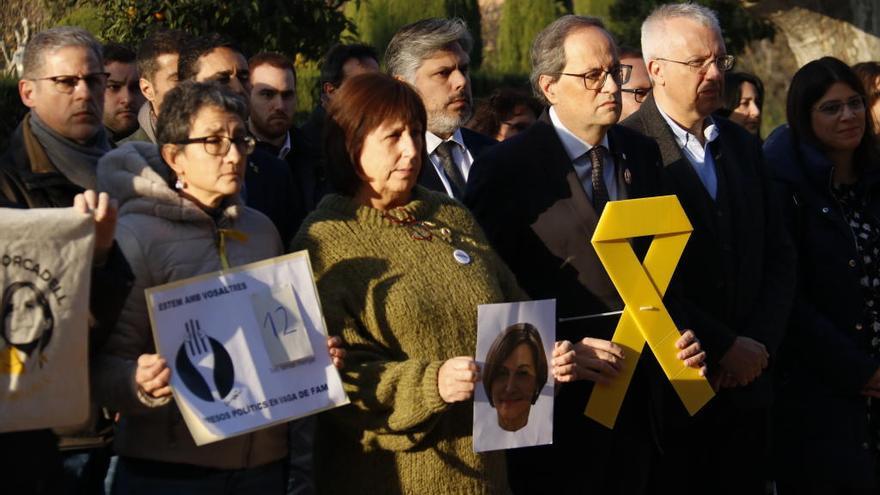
(577, 150)
(460, 155)
(698, 154)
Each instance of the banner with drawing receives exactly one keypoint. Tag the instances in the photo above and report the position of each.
(247, 347)
(45, 273)
(513, 405)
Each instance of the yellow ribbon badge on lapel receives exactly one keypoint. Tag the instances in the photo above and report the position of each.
(642, 286)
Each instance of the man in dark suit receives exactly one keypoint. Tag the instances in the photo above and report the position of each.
(538, 196)
(268, 182)
(738, 268)
(432, 55)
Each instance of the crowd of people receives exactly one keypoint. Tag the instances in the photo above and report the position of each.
(416, 205)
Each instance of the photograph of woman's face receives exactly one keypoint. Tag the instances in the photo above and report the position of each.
(24, 320)
(513, 388)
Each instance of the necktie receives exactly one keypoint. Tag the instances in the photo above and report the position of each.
(456, 180)
(600, 192)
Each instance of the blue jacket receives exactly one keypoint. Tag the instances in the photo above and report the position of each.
(821, 424)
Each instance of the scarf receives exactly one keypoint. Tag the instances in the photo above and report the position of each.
(147, 121)
(75, 161)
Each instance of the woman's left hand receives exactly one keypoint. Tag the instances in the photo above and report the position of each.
(691, 351)
(336, 351)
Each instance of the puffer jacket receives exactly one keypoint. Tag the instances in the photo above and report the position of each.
(166, 237)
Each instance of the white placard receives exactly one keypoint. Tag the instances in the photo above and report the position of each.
(514, 350)
(247, 347)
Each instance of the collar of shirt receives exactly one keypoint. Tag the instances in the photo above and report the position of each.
(574, 146)
(689, 141)
(432, 140)
(285, 148)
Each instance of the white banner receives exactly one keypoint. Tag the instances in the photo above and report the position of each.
(247, 347)
(45, 271)
(513, 404)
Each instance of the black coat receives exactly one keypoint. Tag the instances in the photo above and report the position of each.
(269, 188)
(821, 425)
(738, 269)
(305, 168)
(476, 143)
(527, 197)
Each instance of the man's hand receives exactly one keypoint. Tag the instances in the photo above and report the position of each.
(743, 362)
(692, 352)
(103, 209)
(589, 359)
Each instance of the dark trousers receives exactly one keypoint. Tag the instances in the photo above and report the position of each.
(139, 477)
(722, 450)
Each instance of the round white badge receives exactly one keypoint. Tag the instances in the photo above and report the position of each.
(461, 256)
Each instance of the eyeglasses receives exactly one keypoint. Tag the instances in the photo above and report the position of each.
(219, 145)
(638, 93)
(68, 84)
(595, 79)
(834, 108)
(724, 63)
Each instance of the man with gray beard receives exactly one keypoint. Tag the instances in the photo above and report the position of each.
(432, 56)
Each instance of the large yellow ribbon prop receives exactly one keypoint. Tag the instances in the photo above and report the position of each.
(641, 286)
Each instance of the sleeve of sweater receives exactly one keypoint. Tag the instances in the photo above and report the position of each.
(396, 401)
(113, 374)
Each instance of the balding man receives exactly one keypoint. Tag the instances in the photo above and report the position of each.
(738, 267)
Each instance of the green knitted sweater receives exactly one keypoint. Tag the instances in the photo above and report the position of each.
(403, 307)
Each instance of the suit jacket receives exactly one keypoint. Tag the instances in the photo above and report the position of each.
(269, 189)
(738, 269)
(305, 169)
(476, 143)
(527, 197)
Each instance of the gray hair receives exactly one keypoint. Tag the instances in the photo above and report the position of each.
(183, 103)
(654, 33)
(415, 42)
(54, 39)
(548, 49)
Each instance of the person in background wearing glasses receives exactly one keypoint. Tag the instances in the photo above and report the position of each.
(538, 196)
(869, 73)
(180, 215)
(268, 183)
(51, 163)
(638, 87)
(737, 272)
(827, 414)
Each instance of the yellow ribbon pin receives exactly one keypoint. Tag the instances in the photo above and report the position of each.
(642, 286)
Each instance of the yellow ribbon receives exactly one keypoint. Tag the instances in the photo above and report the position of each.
(642, 286)
(221, 243)
(10, 361)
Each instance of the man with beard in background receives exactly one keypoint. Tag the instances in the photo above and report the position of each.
(123, 97)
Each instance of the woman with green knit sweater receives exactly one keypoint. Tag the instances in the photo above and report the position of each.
(400, 271)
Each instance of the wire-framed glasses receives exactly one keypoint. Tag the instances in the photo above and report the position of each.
(833, 108)
(595, 79)
(724, 63)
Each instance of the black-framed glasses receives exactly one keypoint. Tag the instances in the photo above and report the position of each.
(67, 84)
(638, 93)
(724, 63)
(219, 145)
(595, 79)
(834, 108)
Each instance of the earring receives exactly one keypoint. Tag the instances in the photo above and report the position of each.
(180, 184)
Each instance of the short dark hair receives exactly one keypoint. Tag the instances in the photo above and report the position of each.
(499, 106)
(117, 52)
(808, 85)
(183, 103)
(273, 59)
(869, 72)
(733, 89)
(156, 44)
(626, 51)
(365, 102)
(196, 48)
(337, 56)
(504, 345)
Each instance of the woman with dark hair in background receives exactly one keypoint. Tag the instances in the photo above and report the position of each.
(505, 113)
(869, 73)
(828, 407)
(743, 100)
